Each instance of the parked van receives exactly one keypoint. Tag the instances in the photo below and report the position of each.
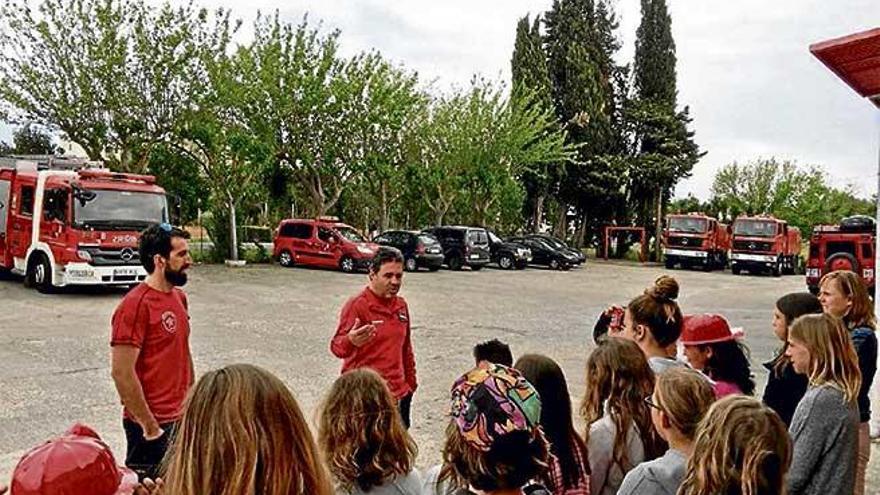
(323, 242)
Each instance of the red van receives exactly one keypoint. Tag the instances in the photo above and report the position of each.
(324, 242)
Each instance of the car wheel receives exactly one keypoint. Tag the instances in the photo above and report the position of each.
(565, 267)
(735, 269)
(554, 264)
(346, 264)
(433, 268)
(505, 261)
(410, 264)
(285, 259)
(521, 266)
(39, 274)
(455, 263)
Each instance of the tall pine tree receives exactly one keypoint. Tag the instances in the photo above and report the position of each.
(665, 151)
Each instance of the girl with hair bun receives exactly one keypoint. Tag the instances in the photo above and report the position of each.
(785, 387)
(653, 321)
(741, 448)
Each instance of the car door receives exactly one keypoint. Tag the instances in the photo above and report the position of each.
(303, 243)
(540, 254)
(327, 247)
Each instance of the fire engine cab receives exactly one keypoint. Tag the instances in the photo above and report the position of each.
(68, 221)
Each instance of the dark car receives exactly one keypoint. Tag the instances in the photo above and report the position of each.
(508, 254)
(546, 255)
(560, 245)
(463, 246)
(420, 249)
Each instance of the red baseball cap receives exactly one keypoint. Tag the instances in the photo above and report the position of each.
(702, 329)
(75, 463)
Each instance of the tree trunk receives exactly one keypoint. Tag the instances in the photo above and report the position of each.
(561, 227)
(383, 209)
(658, 227)
(582, 231)
(538, 213)
(233, 231)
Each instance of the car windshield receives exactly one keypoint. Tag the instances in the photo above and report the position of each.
(754, 228)
(553, 243)
(686, 224)
(543, 243)
(494, 239)
(119, 210)
(350, 234)
(428, 239)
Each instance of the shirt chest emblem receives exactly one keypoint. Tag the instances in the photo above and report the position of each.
(402, 317)
(169, 321)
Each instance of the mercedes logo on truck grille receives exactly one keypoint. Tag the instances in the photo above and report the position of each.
(127, 254)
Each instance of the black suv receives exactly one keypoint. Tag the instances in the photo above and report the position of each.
(545, 254)
(463, 246)
(560, 245)
(420, 249)
(508, 254)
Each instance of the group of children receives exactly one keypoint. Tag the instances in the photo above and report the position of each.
(654, 423)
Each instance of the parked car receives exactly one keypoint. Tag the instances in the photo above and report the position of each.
(420, 249)
(543, 253)
(324, 242)
(560, 245)
(508, 254)
(463, 246)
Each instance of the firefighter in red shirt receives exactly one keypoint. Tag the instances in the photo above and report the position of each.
(151, 362)
(374, 330)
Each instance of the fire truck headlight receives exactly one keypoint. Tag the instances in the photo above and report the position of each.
(84, 255)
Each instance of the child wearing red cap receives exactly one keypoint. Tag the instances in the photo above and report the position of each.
(713, 348)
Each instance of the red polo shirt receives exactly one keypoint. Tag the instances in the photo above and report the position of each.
(157, 323)
(390, 351)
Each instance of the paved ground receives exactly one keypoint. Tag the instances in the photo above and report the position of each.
(55, 354)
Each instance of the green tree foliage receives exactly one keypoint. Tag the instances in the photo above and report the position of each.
(802, 196)
(30, 139)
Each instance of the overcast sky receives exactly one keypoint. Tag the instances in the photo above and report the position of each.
(744, 67)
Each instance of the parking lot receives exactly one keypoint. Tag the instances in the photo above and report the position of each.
(55, 353)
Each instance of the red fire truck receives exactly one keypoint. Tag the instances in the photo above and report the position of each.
(765, 243)
(847, 246)
(67, 221)
(695, 239)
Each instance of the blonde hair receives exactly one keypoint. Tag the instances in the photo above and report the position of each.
(657, 310)
(742, 447)
(362, 434)
(618, 374)
(861, 313)
(833, 359)
(242, 433)
(685, 396)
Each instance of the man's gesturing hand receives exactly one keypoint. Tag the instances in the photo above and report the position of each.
(360, 335)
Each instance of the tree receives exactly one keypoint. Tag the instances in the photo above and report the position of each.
(665, 151)
(30, 139)
(115, 76)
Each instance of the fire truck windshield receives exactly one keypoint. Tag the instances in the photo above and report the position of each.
(685, 224)
(118, 210)
(754, 228)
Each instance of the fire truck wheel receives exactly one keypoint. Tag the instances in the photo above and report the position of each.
(735, 269)
(39, 273)
(669, 263)
(777, 268)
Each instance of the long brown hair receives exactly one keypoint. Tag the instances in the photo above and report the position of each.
(361, 432)
(685, 396)
(242, 433)
(833, 359)
(792, 306)
(657, 310)
(861, 313)
(742, 447)
(618, 373)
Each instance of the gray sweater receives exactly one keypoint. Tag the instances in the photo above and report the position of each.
(410, 484)
(662, 476)
(824, 431)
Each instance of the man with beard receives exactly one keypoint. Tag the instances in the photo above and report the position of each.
(151, 362)
(374, 330)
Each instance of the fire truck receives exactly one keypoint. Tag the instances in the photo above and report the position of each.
(695, 239)
(846, 246)
(765, 243)
(68, 221)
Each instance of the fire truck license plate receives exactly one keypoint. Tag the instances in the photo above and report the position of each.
(124, 272)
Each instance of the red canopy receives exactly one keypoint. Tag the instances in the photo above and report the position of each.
(856, 60)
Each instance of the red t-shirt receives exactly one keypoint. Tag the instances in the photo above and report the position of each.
(157, 323)
(390, 352)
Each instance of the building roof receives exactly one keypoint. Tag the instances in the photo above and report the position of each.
(856, 60)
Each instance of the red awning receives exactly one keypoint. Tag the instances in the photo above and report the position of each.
(856, 60)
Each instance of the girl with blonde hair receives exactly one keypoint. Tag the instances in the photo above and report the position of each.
(619, 434)
(844, 294)
(741, 448)
(242, 433)
(680, 400)
(824, 428)
(363, 438)
(653, 321)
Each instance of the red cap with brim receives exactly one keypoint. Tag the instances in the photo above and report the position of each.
(701, 329)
